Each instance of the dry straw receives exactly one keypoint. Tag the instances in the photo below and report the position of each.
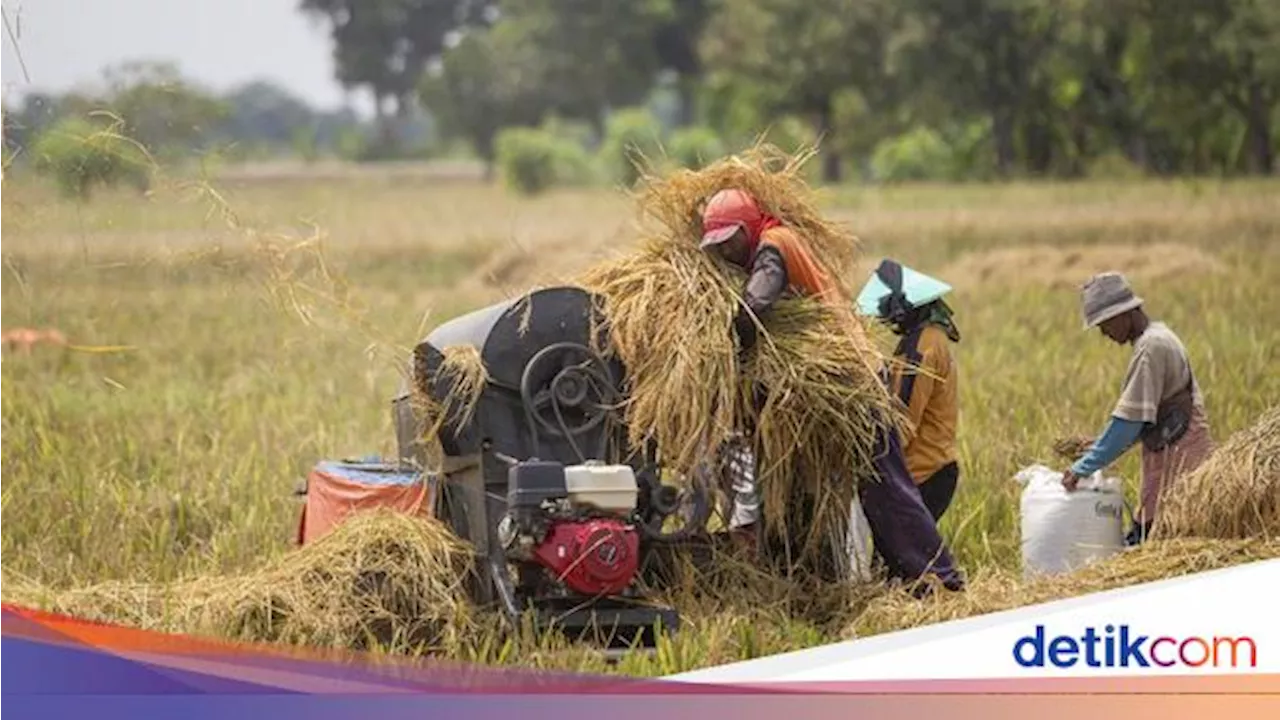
(715, 581)
(670, 308)
(994, 591)
(462, 370)
(671, 206)
(1072, 447)
(380, 580)
(1235, 493)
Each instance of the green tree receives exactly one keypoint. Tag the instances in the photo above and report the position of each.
(1223, 55)
(983, 57)
(677, 34)
(1102, 82)
(591, 55)
(799, 56)
(385, 45)
(483, 85)
(160, 109)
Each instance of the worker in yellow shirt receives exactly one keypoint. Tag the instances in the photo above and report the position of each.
(924, 374)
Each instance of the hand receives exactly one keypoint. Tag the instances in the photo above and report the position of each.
(1070, 480)
(745, 542)
(744, 329)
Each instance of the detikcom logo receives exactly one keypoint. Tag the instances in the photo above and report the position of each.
(1121, 646)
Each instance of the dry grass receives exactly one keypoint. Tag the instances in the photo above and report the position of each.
(1235, 493)
(670, 309)
(995, 590)
(380, 580)
(463, 371)
(1065, 267)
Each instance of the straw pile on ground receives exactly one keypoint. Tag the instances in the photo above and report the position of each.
(380, 580)
(1235, 493)
(724, 583)
(670, 308)
(995, 591)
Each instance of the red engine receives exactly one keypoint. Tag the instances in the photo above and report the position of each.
(592, 557)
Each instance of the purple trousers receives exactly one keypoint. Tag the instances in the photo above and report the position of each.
(905, 534)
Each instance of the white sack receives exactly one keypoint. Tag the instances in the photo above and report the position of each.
(1064, 531)
(859, 543)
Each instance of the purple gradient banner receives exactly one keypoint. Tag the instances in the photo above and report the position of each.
(62, 668)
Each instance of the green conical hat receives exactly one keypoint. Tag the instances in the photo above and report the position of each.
(919, 289)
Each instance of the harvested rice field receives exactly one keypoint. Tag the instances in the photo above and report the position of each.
(219, 344)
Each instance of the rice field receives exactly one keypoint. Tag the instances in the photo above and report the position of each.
(225, 337)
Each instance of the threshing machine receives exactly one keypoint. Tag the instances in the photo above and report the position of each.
(539, 476)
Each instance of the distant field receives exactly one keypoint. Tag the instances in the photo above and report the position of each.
(169, 447)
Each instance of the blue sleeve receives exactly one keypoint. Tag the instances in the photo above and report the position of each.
(1118, 437)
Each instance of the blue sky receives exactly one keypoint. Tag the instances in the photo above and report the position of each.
(219, 43)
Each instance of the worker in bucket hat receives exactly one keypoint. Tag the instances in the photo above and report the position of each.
(924, 374)
(1160, 404)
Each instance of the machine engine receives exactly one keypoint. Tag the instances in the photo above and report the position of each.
(576, 522)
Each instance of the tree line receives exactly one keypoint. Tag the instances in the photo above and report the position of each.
(146, 115)
(156, 107)
(931, 88)
(552, 91)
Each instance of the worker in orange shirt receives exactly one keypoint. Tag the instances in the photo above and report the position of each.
(778, 262)
(924, 375)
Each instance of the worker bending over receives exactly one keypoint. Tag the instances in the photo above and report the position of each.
(924, 374)
(1160, 404)
(778, 261)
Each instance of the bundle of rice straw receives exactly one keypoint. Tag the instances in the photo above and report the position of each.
(1235, 493)
(1072, 447)
(381, 579)
(464, 373)
(670, 308)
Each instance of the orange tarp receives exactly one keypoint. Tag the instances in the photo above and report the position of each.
(336, 490)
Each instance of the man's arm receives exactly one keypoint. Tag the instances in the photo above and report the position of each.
(1118, 437)
(1133, 410)
(765, 286)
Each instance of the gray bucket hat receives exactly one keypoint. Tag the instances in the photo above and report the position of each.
(1105, 296)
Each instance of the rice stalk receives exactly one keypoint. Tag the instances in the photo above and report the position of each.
(671, 205)
(462, 370)
(1072, 447)
(1235, 493)
(669, 309)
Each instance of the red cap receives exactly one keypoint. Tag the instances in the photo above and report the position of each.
(726, 212)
